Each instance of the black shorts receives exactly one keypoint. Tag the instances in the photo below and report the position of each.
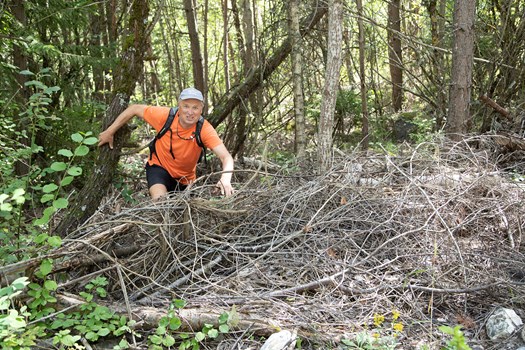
(158, 175)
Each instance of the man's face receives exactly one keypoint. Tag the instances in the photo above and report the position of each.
(189, 112)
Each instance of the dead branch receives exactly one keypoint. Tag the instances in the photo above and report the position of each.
(491, 103)
(436, 228)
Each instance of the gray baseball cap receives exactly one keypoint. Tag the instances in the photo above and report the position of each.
(191, 93)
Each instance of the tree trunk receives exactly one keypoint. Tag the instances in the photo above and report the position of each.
(253, 81)
(461, 77)
(297, 79)
(225, 44)
(362, 76)
(125, 78)
(437, 66)
(206, 55)
(395, 53)
(20, 61)
(196, 55)
(331, 85)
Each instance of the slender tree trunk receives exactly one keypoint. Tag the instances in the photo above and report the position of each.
(225, 44)
(20, 61)
(461, 77)
(125, 78)
(238, 129)
(196, 54)
(297, 78)
(348, 59)
(395, 53)
(331, 85)
(362, 76)
(255, 100)
(437, 66)
(206, 58)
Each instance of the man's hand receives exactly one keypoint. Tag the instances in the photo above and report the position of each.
(225, 187)
(105, 137)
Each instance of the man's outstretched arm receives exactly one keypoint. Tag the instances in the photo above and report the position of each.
(123, 118)
(227, 167)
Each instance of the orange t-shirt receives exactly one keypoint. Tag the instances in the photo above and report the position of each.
(183, 144)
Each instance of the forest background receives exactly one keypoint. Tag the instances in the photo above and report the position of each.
(290, 82)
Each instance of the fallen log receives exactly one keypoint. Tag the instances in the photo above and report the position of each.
(11, 272)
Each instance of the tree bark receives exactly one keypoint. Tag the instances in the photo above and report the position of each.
(20, 60)
(362, 76)
(331, 85)
(436, 68)
(253, 81)
(395, 53)
(196, 54)
(297, 79)
(125, 78)
(461, 77)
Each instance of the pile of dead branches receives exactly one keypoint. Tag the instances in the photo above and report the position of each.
(436, 233)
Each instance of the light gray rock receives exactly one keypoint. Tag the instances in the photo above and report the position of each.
(278, 341)
(502, 323)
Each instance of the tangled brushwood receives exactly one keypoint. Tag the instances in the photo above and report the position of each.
(436, 234)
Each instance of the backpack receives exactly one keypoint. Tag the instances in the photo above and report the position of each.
(166, 127)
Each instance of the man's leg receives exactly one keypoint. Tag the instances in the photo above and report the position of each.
(159, 181)
(158, 190)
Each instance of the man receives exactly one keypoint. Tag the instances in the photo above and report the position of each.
(173, 166)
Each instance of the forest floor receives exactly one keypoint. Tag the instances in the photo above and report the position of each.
(433, 236)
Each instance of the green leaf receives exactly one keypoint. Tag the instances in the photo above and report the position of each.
(175, 323)
(3, 197)
(45, 217)
(58, 166)
(160, 330)
(60, 203)
(35, 83)
(223, 318)
(6, 207)
(26, 72)
(91, 336)
(223, 328)
(199, 336)
(168, 341)
(155, 339)
(103, 332)
(66, 181)
(164, 321)
(90, 141)
(49, 188)
(51, 89)
(41, 238)
(18, 195)
(213, 333)
(65, 153)
(81, 150)
(54, 241)
(77, 137)
(46, 266)
(179, 303)
(47, 197)
(50, 285)
(20, 283)
(75, 171)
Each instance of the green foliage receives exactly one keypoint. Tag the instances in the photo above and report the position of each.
(52, 193)
(93, 321)
(42, 294)
(43, 186)
(14, 333)
(165, 334)
(458, 341)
